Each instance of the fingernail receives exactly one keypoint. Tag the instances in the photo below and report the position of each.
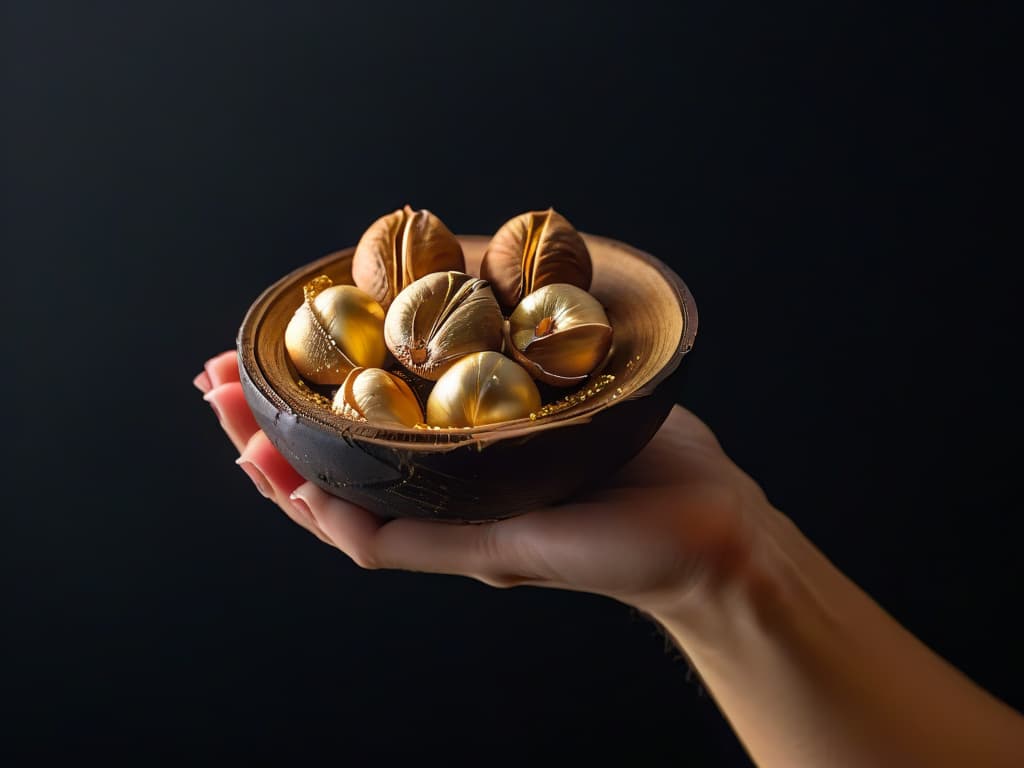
(304, 512)
(202, 382)
(301, 507)
(208, 397)
(257, 477)
(302, 503)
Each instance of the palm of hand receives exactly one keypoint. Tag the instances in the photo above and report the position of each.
(677, 513)
(674, 515)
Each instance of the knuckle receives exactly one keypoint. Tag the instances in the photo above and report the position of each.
(497, 565)
(501, 580)
(365, 559)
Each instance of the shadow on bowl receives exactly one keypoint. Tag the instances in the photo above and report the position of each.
(492, 472)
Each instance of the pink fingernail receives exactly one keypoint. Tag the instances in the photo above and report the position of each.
(202, 382)
(257, 477)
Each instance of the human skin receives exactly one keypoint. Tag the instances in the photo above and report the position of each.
(806, 667)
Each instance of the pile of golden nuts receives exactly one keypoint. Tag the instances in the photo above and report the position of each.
(413, 299)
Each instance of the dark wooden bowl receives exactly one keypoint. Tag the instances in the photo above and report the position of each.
(490, 472)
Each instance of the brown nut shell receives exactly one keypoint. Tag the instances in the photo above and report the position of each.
(335, 329)
(482, 388)
(559, 333)
(401, 247)
(441, 318)
(532, 250)
(376, 396)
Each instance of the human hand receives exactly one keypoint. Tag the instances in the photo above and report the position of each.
(678, 515)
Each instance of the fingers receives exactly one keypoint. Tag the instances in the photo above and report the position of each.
(222, 369)
(275, 479)
(218, 370)
(220, 386)
(500, 554)
(281, 478)
(348, 527)
(202, 382)
(233, 412)
(483, 551)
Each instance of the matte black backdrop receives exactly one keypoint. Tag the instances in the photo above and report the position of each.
(825, 179)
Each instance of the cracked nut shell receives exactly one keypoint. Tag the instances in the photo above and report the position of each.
(335, 329)
(532, 250)
(559, 333)
(441, 318)
(401, 247)
(376, 396)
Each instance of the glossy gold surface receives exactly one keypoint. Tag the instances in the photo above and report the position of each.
(532, 250)
(477, 473)
(482, 388)
(335, 329)
(401, 247)
(378, 397)
(441, 318)
(652, 313)
(560, 333)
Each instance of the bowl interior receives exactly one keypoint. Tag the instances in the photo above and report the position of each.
(652, 315)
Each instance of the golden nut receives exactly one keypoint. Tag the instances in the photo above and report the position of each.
(559, 333)
(482, 388)
(441, 318)
(532, 250)
(400, 248)
(378, 397)
(335, 329)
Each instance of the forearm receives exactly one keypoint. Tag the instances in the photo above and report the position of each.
(810, 671)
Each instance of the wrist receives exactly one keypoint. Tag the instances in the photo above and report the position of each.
(759, 583)
(808, 667)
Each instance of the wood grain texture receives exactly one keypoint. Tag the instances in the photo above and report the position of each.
(490, 472)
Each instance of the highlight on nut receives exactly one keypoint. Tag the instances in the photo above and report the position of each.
(418, 342)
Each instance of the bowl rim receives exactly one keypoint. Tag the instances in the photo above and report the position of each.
(439, 440)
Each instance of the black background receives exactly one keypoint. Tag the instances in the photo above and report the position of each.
(829, 181)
